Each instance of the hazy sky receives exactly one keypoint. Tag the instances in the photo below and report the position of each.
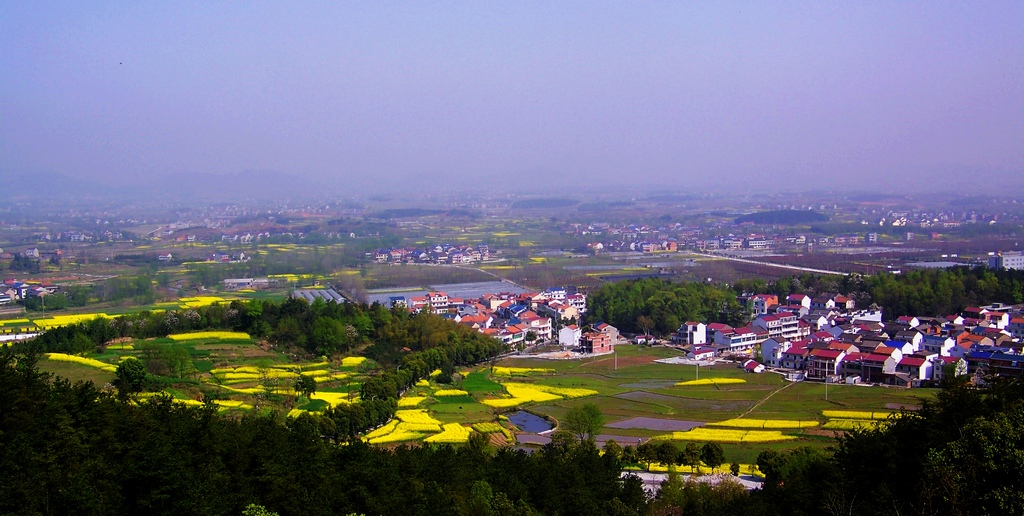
(520, 94)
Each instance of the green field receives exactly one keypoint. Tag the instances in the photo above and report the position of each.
(628, 385)
(638, 387)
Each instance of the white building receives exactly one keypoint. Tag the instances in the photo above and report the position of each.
(569, 336)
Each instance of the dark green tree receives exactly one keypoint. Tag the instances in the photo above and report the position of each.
(130, 376)
(305, 385)
(712, 456)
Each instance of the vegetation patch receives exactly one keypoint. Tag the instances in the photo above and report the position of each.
(855, 414)
(63, 357)
(765, 423)
(454, 433)
(208, 335)
(477, 381)
(519, 371)
(711, 381)
(728, 436)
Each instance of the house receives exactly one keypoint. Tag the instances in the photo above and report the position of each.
(753, 366)
(773, 349)
(795, 357)
(845, 303)
(569, 336)
(438, 300)
(577, 301)
(782, 324)
(702, 353)
(912, 337)
(607, 329)
(596, 342)
(823, 363)
(764, 301)
(917, 368)
(799, 299)
(1016, 328)
(540, 326)
(237, 283)
(740, 339)
(823, 303)
(937, 344)
(694, 333)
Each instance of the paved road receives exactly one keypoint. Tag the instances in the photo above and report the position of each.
(770, 264)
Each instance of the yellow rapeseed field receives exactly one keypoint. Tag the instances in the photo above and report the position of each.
(527, 392)
(519, 371)
(765, 423)
(410, 401)
(855, 414)
(711, 381)
(727, 436)
(849, 424)
(352, 361)
(450, 392)
(415, 416)
(453, 433)
(63, 357)
(206, 335)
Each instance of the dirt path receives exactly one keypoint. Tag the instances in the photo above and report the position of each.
(764, 399)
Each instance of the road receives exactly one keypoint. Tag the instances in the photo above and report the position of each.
(770, 264)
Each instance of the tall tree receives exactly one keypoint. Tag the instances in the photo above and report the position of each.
(712, 455)
(584, 422)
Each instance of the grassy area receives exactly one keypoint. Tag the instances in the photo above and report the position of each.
(76, 372)
(624, 386)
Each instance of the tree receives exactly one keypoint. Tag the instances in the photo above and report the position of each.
(647, 453)
(129, 376)
(712, 455)
(690, 456)
(666, 453)
(612, 449)
(305, 385)
(645, 324)
(584, 422)
(734, 468)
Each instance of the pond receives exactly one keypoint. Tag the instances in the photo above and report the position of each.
(528, 422)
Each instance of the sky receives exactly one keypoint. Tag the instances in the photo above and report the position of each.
(525, 97)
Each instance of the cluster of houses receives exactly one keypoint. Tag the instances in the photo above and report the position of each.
(643, 246)
(12, 290)
(516, 318)
(441, 253)
(827, 339)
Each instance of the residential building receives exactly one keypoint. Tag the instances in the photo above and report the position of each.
(695, 333)
(595, 342)
(569, 336)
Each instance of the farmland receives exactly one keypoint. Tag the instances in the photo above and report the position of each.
(746, 413)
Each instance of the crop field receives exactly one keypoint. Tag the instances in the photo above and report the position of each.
(744, 412)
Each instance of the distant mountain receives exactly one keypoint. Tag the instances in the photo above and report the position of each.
(32, 185)
(783, 217)
(239, 186)
(248, 185)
